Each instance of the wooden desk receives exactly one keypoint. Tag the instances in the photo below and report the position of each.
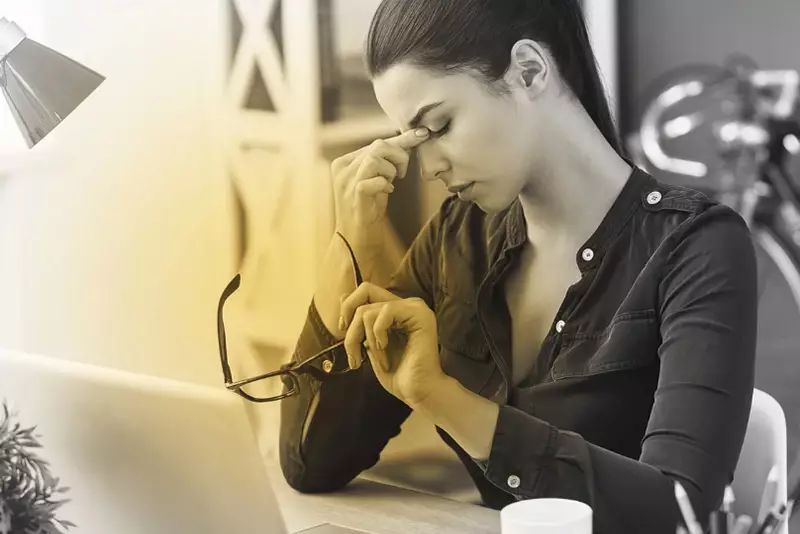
(381, 509)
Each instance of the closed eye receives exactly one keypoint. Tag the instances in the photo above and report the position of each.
(443, 130)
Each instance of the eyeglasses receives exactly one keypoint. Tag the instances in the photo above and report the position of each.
(321, 365)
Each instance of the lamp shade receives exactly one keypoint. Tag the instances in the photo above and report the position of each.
(41, 86)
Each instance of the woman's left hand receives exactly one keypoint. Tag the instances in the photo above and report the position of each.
(401, 341)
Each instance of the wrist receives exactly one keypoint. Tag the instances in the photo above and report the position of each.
(441, 394)
(466, 416)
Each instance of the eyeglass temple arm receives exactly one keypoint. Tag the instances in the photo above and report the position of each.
(301, 367)
(358, 279)
(296, 367)
(232, 286)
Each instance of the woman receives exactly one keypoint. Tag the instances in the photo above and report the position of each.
(573, 327)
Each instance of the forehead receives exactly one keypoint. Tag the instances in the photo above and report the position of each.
(404, 88)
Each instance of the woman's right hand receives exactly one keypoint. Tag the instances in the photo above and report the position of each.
(362, 182)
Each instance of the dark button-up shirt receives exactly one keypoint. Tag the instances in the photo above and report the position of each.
(645, 377)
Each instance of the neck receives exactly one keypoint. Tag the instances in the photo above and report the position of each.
(575, 183)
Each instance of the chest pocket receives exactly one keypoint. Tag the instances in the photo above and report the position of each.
(630, 341)
(463, 350)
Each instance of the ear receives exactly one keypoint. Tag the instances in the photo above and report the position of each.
(529, 69)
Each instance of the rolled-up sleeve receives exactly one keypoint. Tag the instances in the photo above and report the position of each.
(336, 427)
(708, 323)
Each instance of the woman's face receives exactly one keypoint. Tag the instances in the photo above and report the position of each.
(477, 137)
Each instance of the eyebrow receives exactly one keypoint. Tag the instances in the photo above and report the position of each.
(415, 122)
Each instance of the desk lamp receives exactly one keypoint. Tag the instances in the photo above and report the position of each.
(40, 85)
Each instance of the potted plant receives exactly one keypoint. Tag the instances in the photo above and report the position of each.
(29, 493)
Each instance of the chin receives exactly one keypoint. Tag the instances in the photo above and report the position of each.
(493, 204)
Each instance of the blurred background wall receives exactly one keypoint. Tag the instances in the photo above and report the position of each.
(118, 229)
(658, 36)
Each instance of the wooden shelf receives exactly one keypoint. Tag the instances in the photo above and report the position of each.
(291, 147)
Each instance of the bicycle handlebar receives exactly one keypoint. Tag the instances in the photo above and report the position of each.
(750, 130)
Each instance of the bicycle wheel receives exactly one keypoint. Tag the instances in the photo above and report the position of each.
(778, 351)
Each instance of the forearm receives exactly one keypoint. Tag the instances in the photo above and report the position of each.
(336, 279)
(468, 418)
(627, 496)
(333, 429)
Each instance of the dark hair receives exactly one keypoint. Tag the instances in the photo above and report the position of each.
(458, 35)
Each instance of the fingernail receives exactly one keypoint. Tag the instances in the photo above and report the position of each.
(342, 324)
(379, 343)
(390, 188)
(421, 132)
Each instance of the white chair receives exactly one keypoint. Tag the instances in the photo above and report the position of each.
(764, 446)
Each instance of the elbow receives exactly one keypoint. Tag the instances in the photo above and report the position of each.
(703, 499)
(304, 480)
(315, 484)
(307, 476)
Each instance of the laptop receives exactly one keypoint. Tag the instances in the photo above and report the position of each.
(144, 454)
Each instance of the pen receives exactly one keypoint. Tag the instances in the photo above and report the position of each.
(767, 526)
(785, 517)
(718, 522)
(793, 496)
(769, 497)
(727, 506)
(727, 500)
(686, 510)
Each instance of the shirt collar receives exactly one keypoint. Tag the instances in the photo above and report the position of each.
(626, 203)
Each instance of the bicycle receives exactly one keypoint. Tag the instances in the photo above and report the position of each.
(754, 138)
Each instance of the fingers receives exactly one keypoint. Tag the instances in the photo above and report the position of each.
(375, 351)
(375, 176)
(380, 159)
(769, 498)
(353, 339)
(381, 325)
(360, 334)
(343, 161)
(395, 151)
(373, 165)
(366, 293)
(373, 186)
(410, 138)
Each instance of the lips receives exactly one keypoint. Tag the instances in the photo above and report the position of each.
(459, 188)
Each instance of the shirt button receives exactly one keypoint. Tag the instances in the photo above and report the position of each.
(588, 254)
(654, 198)
(327, 366)
(560, 326)
(513, 481)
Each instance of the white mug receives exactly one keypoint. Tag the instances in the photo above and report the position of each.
(546, 516)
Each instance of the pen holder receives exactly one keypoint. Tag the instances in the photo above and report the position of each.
(546, 516)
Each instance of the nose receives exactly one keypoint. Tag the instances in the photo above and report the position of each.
(432, 162)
